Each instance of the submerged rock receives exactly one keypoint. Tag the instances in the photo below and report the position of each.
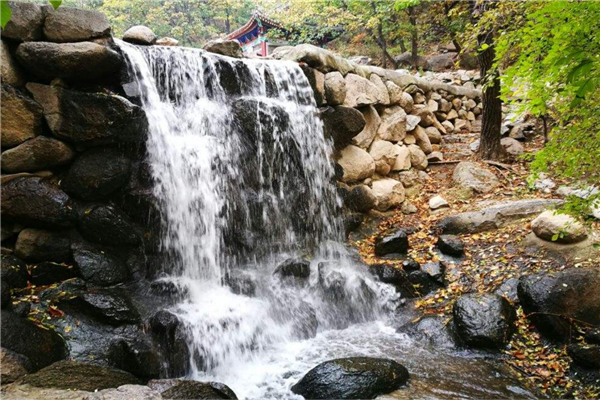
(186, 390)
(77, 375)
(293, 268)
(484, 320)
(352, 378)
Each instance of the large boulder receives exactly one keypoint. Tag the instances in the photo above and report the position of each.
(137, 356)
(360, 199)
(169, 334)
(316, 57)
(372, 122)
(21, 117)
(383, 97)
(99, 267)
(555, 301)
(585, 355)
(229, 48)
(393, 124)
(441, 62)
(78, 375)
(14, 366)
(106, 224)
(35, 245)
(26, 22)
(97, 174)
(389, 193)
(139, 34)
(451, 245)
(384, 153)
(360, 91)
(67, 24)
(561, 228)
(89, 118)
(402, 162)
(126, 392)
(512, 147)
(352, 378)
(9, 68)
(418, 159)
(70, 61)
(394, 243)
(33, 201)
(316, 79)
(356, 164)
(43, 346)
(474, 176)
(109, 305)
(186, 390)
(297, 268)
(13, 272)
(36, 154)
(484, 320)
(342, 124)
(409, 281)
(335, 88)
(422, 139)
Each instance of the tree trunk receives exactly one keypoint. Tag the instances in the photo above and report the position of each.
(382, 44)
(489, 146)
(227, 21)
(402, 45)
(412, 17)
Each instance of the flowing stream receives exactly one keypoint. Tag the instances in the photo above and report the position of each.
(244, 181)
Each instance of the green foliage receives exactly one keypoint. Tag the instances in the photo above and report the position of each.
(55, 3)
(5, 13)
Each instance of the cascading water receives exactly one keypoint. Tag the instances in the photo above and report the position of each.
(244, 181)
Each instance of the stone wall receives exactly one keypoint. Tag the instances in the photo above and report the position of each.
(386, 125)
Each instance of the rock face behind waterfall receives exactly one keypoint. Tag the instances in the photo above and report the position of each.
(352, 378)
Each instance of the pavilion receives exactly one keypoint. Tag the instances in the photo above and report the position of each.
(252, 35)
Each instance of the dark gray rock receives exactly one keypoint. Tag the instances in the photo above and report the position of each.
(41, 346)
(14, 366)
(169, 333)
(108, 119)
(412, 284)
(5, 299)
(451, 245)
(106, 224)
(484, 320)
(360, 199)
(37, 245)
(508, 290)
(436, 270)
(585, 355)
(71, 61)
(97, 174)
(593, 336)
(26, 22)
(36, 154)
(352, 378)
(352, 222)
(394, 243)
(109, 305)
(99, 266)
(554, 300)
(77, 375)
(316, 80)
(192, 390)
(410, 265)
(137, 356)
(14, 272)
(342, 124)
(48, 272)
(241, 284)
(67, 24)
(293, 268)
(35, 202)
(432, 329)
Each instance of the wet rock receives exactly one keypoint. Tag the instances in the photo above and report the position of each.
(14, 366)
(436, 270)
(395, 243)
(97, 174)
(508, 290)
(229, 48)
(554, 300)
(106, 224)
(484, 320)
(77, 375)
(451, 245)
(293, 268)
(14, 272)
(66, 24)
(41, 346)
(372, 122)
(169, 333)
(494, 217)
(109, 305)
(26, 22)
(342, 124)
(411, 284)
(410, 265)
(352, 222)
(356, 163)
(126, 392)
(167, 41)
(474, 176)
(593, 336)
(136, 356)
(48, 272)
(389, 193)
(71, 61)
(190, 390)
(316, 80)
(99, 267)
(9, 68)
(107, 119)
(21, 117)
(438, 202)
(352, 378)
(335, 88)
(360, 91)
(360, 199)
(36, 154)
(33, 201)
(432, 329)
(585, 355)
(5, 296)
(561, 228)
(241, 284)
(139, 34)
(250, 115)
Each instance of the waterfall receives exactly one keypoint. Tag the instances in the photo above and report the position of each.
(244, 180)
